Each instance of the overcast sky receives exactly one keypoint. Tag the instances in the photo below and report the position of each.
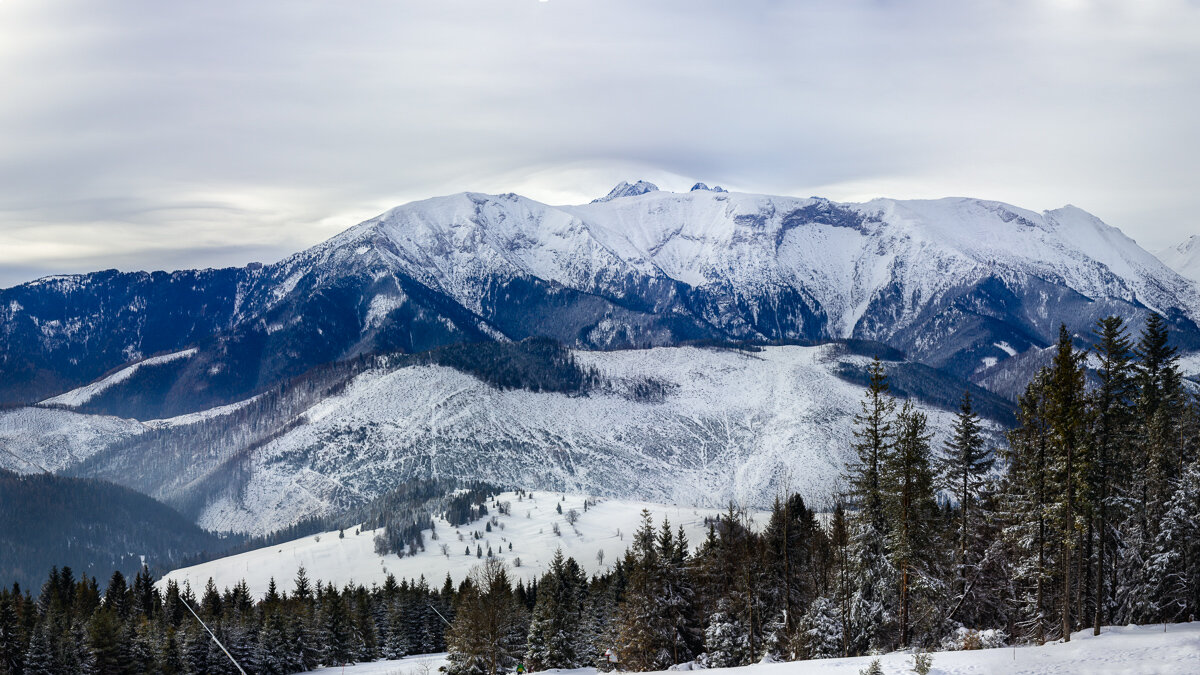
(159, 135)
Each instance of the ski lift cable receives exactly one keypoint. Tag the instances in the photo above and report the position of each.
(213, 635)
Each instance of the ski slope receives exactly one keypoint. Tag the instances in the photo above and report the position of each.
(605, 526)
(1127, 650)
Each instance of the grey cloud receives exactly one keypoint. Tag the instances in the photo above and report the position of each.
(265, 127)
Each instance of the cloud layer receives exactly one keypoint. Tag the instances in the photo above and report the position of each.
(163, 135)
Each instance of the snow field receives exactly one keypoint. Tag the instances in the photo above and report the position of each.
(606, 526)
(1123, 650)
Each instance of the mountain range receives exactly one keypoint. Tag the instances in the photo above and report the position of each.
(250, 397)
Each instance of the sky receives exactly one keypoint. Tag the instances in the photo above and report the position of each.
(163, 135)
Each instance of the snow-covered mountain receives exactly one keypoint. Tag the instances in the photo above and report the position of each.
(684, 424)
(959, 284)
(1184, 257)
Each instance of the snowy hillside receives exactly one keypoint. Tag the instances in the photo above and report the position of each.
(33, 440)
(732, 425)
(1184, 257)
(605, 526)
(1123, 650)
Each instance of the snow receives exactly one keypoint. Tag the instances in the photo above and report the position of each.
(1129, 650)
(606, 526)
(37, 439)
(382, 305)
(1008, 349)
(917, 250)
(80, 396)
(1184, 257)
(1189, 364)
(424, 664)
(733, 425)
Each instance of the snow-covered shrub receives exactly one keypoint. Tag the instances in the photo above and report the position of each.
(967, 639)
(820, 633)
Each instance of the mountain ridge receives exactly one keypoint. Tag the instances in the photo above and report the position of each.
(960, 284)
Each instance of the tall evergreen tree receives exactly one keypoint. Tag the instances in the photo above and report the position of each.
(1112, 402)
(963, 469)
(873, 603)
(557, 636)
(1066, 416)
(909, 501)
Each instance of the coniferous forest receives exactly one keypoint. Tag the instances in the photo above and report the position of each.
(1089, 515)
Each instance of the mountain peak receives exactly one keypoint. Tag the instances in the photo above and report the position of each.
(624, 189)
(702, 186)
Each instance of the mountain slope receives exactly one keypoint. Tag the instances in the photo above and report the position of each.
(958, 284)
(1184, 257)
(665, 424)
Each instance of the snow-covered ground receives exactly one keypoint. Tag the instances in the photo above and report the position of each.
(1133, 650)
(424, 664)
(606, 526)
(33, 440)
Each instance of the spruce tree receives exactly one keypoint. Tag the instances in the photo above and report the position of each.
(908, 487)
(556, 632)
(1112, 402)
(39, 659)
(1066, 416)
(873, 603)
(963, 469)
(1026, 506)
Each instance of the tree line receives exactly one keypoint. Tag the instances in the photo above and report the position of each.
(1088, 516)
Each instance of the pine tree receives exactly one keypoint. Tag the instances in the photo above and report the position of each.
(39, 659)
(908, 486)
(963, 469)
(556, 632)
(1112, 402)
(1066, 416)
(872, 604)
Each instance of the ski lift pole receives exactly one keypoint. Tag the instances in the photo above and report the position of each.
(213, 635)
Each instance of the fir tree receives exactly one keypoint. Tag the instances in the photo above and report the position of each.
(39, 659)
(872, 604)
(1112, 402)
(820, 631)
(907, 481)
(963, 469)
